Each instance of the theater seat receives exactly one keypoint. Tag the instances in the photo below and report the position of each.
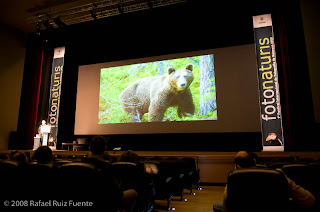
(39, 179)
(305, 175)
(9, 179)
(8, 169)
(84, 182)
(131, 176)
(60, 162)
(128, 175)
(257, 189)
(192, 173)
(78, 179)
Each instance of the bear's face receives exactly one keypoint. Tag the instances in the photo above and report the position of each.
(181, 78)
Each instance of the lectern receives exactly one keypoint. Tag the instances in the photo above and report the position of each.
(45, 130)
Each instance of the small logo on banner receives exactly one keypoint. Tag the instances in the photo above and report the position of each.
(59, 52)
(262, 21)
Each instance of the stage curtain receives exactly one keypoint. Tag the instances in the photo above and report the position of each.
(284, 75)
(29, 101)
(294, 81)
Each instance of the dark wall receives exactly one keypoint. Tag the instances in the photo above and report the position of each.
(195, 25)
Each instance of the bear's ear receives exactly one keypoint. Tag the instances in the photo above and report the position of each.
(189, 67)
(170, 70)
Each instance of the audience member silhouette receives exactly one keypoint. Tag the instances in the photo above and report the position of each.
(139, 176)
(4, 156)
(129, 156)
(99, 156)
(302, 198)
(20, 157)
(43, 155)
(98, 147)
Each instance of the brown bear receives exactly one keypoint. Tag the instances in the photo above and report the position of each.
(155, 94)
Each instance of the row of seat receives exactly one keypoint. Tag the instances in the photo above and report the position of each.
(74, 181)
(174, 176)
(74, 178)
(266, 189)
(306, 175)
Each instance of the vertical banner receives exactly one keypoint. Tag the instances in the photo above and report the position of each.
(270, 108)
(55, 91)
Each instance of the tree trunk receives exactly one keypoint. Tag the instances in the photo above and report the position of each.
(160, 68)
(207, 85)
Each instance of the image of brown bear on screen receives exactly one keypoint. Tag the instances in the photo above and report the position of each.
(174, 90)
(155, 94)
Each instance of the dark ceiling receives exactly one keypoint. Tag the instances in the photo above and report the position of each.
(14, 13)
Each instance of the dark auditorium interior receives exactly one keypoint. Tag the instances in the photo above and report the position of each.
(181, 165)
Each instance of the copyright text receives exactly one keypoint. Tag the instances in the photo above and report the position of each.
(47, 203)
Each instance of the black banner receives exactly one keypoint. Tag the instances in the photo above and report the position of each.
(270, 108)
(55, 92)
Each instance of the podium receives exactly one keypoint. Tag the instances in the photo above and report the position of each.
(45, 130)
(36, 142)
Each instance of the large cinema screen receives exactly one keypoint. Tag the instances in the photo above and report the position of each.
(205, 91)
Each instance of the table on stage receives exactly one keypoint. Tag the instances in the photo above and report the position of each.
(72, 144)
